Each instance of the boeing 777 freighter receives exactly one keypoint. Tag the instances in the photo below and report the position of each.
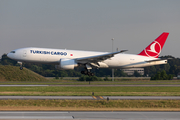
(68, 59)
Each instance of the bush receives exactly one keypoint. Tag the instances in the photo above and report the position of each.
(106, 79)
(82, 78)
(162, 76)
(57, 77)
(136, 74)
(89, 78)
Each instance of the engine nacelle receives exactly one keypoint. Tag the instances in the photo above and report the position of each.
(66, 64)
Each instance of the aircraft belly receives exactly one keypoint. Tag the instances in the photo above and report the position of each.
(115, 63)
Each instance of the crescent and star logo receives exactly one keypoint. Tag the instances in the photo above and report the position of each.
(153, 50)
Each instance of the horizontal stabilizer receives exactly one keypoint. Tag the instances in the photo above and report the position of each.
(159, 59)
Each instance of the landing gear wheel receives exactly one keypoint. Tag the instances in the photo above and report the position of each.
(84, 72)
(90, 74)
(21, 65)
(87, 73)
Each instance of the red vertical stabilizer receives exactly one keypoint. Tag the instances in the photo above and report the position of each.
(154, 49)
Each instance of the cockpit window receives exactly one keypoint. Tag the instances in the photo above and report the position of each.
(12, 52)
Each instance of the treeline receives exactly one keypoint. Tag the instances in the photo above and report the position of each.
(172, 67)
(162, 76)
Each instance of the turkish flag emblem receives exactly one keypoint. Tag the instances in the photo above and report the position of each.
(153, 50)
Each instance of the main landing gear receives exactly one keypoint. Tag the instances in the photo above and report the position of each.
(87, 68)
(87, 73)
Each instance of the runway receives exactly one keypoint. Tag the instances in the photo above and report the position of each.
(90, 97)
(55, 115)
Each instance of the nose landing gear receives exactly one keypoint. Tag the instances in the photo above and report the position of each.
(20, 63)
(21, 68)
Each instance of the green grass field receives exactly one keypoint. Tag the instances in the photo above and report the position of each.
(85, 83)
(75, 82)
(87, 91)
(13, 73)
(94, 103)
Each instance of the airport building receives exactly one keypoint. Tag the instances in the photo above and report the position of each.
(130, 71)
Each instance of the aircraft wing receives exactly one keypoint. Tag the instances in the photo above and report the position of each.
(97, 58)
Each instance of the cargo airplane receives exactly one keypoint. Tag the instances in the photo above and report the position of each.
(64, 59)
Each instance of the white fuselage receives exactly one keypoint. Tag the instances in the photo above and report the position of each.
(53, 56)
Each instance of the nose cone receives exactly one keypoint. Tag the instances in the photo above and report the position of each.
(8, 55)
(11, 54)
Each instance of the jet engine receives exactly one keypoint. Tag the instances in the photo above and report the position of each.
(66, 64)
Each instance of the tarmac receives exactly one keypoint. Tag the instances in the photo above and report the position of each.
(90, 97)
(81, 115)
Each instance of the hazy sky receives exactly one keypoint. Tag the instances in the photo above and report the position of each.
(89, 24)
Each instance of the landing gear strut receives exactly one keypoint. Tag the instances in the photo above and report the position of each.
(20, 63)
(87, 73)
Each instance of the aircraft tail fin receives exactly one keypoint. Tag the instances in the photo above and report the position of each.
(154, 49)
